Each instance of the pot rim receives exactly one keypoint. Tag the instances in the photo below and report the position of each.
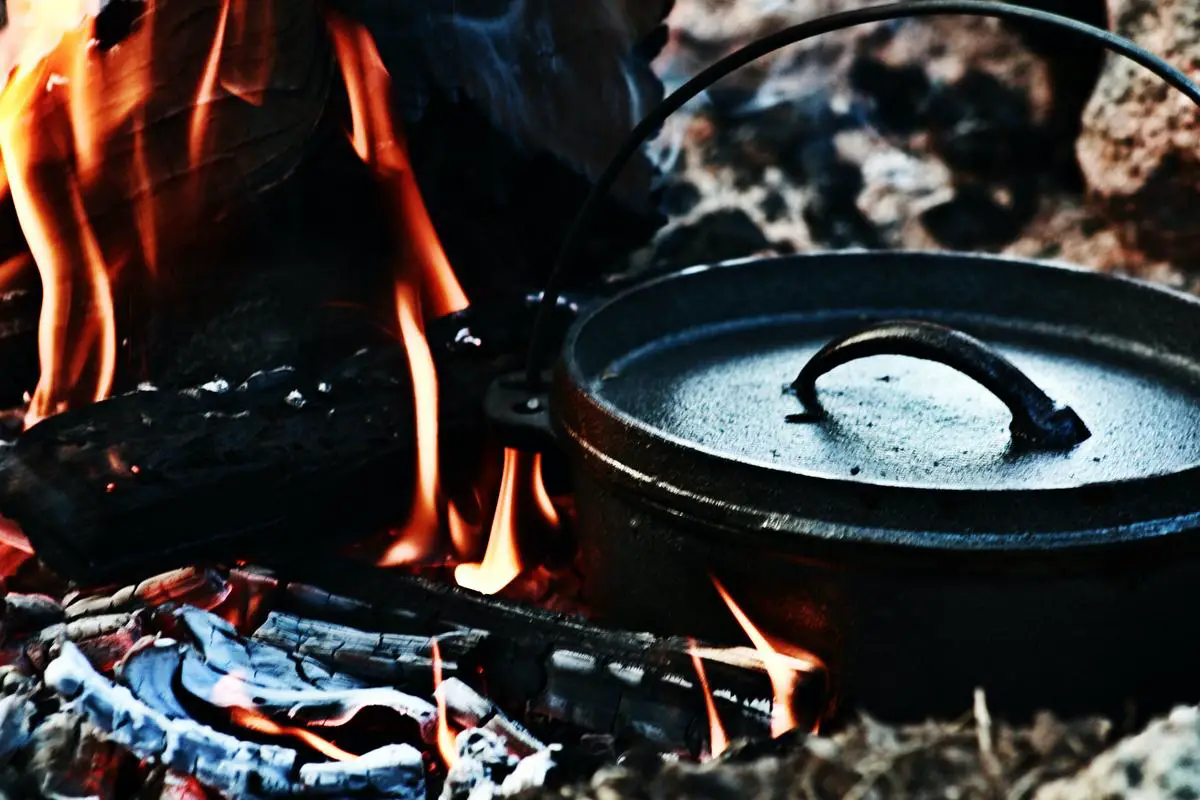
(736, 483)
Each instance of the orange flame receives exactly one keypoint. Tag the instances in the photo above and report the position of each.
(201, 113)
(717, 739)
(424, 279)
(784, 669)
(49, 46)
(501, 562)
(445, 737)
(230, 691)
(462, 533)
(255, 721)
(544, 503)
(380, 145)
(419, 538)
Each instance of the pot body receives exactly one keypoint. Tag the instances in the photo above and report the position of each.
(1074, 598)
(905, 634)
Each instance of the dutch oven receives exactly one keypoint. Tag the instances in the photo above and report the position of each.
(934, 471)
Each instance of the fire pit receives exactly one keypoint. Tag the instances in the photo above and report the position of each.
(291, 510)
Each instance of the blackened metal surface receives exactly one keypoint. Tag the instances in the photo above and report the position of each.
(1076, 598)
(680, 384)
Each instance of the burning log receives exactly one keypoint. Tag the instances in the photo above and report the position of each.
(555, 666)
(283, 459)
(231, 766)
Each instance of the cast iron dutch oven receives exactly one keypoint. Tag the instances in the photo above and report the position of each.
(935, 471)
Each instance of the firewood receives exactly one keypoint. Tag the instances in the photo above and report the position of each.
(233, 767)
(285, 459)
(555, 666)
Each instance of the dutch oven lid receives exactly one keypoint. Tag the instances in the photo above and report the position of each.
(901, 378)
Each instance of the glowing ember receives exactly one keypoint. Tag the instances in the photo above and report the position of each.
(445, 737)
(783, 668)
(502, 562)
(717, 740)
(230, 691)
(544, 503)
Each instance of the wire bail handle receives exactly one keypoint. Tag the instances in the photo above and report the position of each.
(653, 121)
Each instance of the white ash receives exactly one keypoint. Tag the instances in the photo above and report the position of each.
(235, 768)
(483, 764)
(473, 710)
(532, 772)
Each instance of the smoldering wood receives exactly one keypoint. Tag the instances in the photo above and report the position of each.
(233, 767)
(194, 586)
(69, 757)
(286, 460)
(505, 156)
(218, 645)
(553, 665)
(308, 706)
(471, 709)
(394, 657)
(22, 614)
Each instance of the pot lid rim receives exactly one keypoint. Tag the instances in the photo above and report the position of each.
(573, 374)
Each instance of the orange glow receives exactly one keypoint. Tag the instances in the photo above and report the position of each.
(12, 267)
(418, 539)
(544, 502)
(501, 562)
(445, 737)
(12, 536)
(783, 668)
(230, 691)
(717, 740)
(462, 533)
(255, 721)
(380, 145)
(201, 113)
(143, 207)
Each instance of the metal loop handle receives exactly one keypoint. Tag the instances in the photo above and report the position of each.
(1038, 421)
(653, 121)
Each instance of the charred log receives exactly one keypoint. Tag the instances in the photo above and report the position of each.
(559, 667)
(158, 479)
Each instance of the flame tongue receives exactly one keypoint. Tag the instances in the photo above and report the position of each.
(717, 739)
(784, 669)
(445, 737)
(230, 691)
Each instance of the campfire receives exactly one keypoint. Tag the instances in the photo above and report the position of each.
(162, 158)
(292, 506)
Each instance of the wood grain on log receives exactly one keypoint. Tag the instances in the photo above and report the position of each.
(556, 666)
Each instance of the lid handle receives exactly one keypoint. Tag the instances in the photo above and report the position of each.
(1038, 421)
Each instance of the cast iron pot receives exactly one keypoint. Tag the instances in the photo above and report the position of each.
(935, 472)
(908, 528)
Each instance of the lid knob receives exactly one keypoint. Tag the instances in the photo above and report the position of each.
(1038, 421)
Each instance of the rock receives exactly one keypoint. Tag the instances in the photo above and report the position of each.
(1162, 761)
(1140, 145)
